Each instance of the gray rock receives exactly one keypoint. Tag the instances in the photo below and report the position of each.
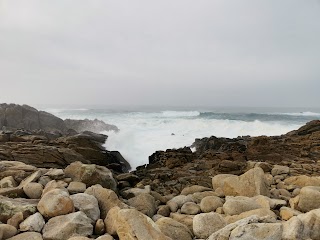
(87, 204)
(33, 223)
(66, 226)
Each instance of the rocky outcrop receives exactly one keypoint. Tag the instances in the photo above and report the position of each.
(95, 125)
(296, 153)
(13, 117)
(42, 151)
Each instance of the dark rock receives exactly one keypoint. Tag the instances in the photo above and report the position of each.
(95, 125)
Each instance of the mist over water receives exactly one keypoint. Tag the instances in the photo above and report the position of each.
(144, 132)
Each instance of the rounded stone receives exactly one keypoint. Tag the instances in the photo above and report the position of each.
(190, 208)
(33, 190)
(210, 204)
(54, 203)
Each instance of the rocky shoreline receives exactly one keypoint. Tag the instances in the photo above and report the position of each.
(65, 185)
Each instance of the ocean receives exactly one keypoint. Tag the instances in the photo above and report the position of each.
(146, 130)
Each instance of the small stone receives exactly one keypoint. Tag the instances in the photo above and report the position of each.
(99, 228)
(164, 210)
(87, 204)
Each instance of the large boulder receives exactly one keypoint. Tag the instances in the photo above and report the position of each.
(249, 184)
(239, 204)
(309, 199)
(107, 199)
(132, 224)
(91, 174)
(174, 229)
(303, 181)
(144, 203)
(302, 227)
(87, 204)
(55, 202)
(210, 204)
(205, 224)
(33, 223)
(224, 233)
(257, 231)
(66, 226)
(27, 236)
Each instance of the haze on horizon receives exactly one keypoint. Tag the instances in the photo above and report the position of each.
(175, 53)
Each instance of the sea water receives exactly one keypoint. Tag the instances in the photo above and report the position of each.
(144, 131)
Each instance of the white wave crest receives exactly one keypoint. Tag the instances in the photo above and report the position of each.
(306, 114)
(180, 113)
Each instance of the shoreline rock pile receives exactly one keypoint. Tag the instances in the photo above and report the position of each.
(88, 201)
(63, 187)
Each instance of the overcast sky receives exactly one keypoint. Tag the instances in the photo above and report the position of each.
(168, 52)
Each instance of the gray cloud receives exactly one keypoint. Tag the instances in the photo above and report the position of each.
(182, 52)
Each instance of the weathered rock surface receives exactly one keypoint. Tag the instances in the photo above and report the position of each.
(131, 224)
(205, 224)
(95, 125)
(107, 199)
(27, 236)
(33, 223)
(91, 174)
(87, 204)
(65, 226)
(10, 207)
(54, 203)
(174, 229)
